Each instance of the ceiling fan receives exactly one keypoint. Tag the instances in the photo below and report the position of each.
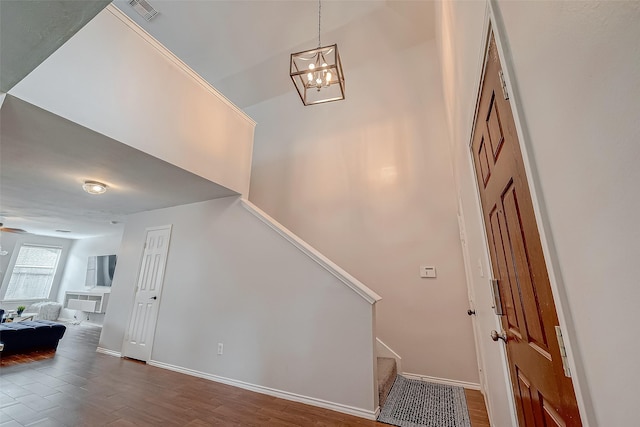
(9, 230)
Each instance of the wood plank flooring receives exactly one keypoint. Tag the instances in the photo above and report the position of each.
(76, 386)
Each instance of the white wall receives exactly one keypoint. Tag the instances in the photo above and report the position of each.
(286, 323)
(11, 242)
(459, 37)
(114, 80)
(368, 182)
(574, 68)
(75, 271)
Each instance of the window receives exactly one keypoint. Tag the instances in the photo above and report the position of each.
(32, 275)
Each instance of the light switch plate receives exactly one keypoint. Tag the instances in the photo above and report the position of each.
(427, 271)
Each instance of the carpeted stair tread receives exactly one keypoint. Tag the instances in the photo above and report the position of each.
(387, 372)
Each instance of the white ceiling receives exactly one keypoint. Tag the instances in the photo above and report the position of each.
(242, 47)
(44, 160)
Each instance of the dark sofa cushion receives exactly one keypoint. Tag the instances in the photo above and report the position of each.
(30, 335)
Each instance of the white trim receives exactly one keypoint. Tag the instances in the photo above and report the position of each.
(445, 381)
(357, 286)
(477, 207)
(175, 60)
(108, 352)
(338, 407)
(383, 350)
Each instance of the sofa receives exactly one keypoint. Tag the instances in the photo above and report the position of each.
(20, 337)
(47, 310)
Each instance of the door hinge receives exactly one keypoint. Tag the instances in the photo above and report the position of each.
(503, 83)
(563, 352)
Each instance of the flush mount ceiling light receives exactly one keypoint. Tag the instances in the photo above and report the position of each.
(317, 73)
(94, 187)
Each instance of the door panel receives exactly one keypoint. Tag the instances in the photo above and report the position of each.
(543, 395)
(494, 127)
(139, 338)
(500, 266)
(524, 281)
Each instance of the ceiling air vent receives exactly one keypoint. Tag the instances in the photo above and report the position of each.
(144, 9)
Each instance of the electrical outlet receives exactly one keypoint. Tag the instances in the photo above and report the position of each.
(220, 348)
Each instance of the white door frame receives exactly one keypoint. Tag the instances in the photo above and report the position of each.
(493, 23)
(153, 330)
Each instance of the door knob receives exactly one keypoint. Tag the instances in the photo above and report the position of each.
(153, 298)
(496, 336)
(471, 312)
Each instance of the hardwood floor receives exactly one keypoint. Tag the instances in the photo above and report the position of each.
(477, 408)
(76, 386)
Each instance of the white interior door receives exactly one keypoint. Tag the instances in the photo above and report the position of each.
(138, 340)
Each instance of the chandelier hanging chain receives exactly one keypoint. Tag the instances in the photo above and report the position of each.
(319, 18)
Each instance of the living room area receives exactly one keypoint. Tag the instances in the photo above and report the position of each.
(48, 279)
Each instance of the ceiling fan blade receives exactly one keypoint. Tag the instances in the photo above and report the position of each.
(12, 230)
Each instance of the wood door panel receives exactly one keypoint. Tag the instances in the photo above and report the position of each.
(502, 270)
(494, 127)
(526, 400)
(550, 416)
(543, 395)
(523, 280)
(485, 168)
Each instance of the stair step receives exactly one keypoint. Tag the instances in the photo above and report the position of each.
(387, 372)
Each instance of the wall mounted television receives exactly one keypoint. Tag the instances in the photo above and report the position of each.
(100, 270)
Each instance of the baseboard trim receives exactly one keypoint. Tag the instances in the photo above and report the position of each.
(446, 381)
(108, 352)
(338, 407)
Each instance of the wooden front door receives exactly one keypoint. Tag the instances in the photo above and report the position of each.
(544, 395)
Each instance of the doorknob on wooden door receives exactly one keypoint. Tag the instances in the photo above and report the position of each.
(497, 336)
(154, 297)
(471, 312)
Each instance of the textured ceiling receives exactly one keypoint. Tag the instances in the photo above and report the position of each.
(39, 28)
(45, 159)
(242, 47)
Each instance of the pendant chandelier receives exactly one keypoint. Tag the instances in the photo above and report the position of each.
(317, 73)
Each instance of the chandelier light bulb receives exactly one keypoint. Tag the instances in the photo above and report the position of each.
(312, 66)
(310, 77)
